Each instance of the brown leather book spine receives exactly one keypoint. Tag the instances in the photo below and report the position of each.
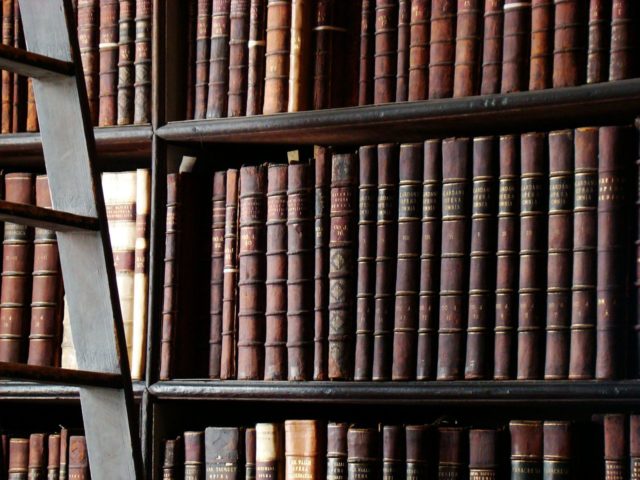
(560, 253)
(365, 292)
(252, 272)
(634, 447)
(507, 258)
(337, 451)
(218, 212)
(64, 453)
(219, 59)
(300, 268)
(598, 41)
(88, 21)
(36, 464)
(405, 329)
(393, 452)
(342, 252)
(533, 240)
(170, 462)
(32, 114)
(483, 459)
(78, 459)
(442, 48)
(19, 110)
(276, 81)
(385, 58)
(229, 279)
(568, 44)
(454, 264)
(526, 450)
(126, 58)
(17, 262)
(193, 456)
(256, 59)
(269, 451)
(420, 32)
(53, 457)
(275, 346)
(402, 61)
(7, 76)
(467, 57)
(515, 46)
(324, 34)
(615, 447)
(386, 252)
(429, 261)
(451, 458)
(46, 289)
(108, 48)
(367, 52)
(419, 444)
(481, 260)
(492, 47)
(614, 157)
(540, 66)
(556, 460)
(190, 70)
(250, 454)
(238, 57)
(362, 454)
(300, 55)
(303, 449)
(203, 39)
(18, 459)
(223, 453)
(624, 40)
(142, 63)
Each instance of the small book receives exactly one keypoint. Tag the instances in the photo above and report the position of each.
(19, 458)
(393, 452)
(483, 454)
(556, 460)
(615, 446)
(362, 454)
(303, 450)
(193, 456)
(37, 462)
(526, 449)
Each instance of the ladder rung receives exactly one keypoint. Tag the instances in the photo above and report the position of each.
(59, 376)
(39, 217)
(30, 64)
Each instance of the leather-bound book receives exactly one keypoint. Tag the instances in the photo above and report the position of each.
(454, 263)
(342, 252)
(203, 39)
(515, 46)
(367, 52)
(569, 43)
(429, 262)
(17, 262)
(37, 462)
(193, 456)
(598, 41)
(78, 459)
(556, 460)
(560, 253)
(533, 244)
(506, 318)
(526, 449)
(223, 453)
(126, 57)
(32, 114)
(190, 59)
(386, 252)
(585, 232)
(363, 455)
(88, 21)
(108, 49)
(278, 46)
(269, 451)
(46, 290)
(238, 57)
(541, 63)
(365, 292)
(483, 455)
(53, 457)
(18, 459)
(481, 260)
(451, 452)
(386, 40)
(337, 451)
(141, 272)
(634, 447)
(252, 272)
(300, 269)
(64, 453)
(402, 61)
(230, 279)
(491, 72)
(615, 446)
(302, 450)
(218, 59)
(419, 443)
(19, 110)
(170, 461)
(420, 32)
(405, 329)
(467, 57)
(393, 452)
(7, 76)
(322, 165)
(256, 60)
(217, 271)
(614, 157)
(442, 48)
(250, 454)
(325, 31)
(275, 346)
(299, 55)
(623, 60)
(142, 63)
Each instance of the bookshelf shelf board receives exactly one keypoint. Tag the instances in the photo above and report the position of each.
(35, 392)
(612, 102)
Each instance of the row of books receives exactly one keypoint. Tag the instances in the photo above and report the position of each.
(251, 57)
(604, 448)
(451, 259)
(34, 326)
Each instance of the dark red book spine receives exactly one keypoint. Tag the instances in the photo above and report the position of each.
(420, 33)
(217, 271)
(402, 60)
(142, 64)
(451, 446)
(53, 457)
(276, 82)
(7, 76)
(219, 59)
(515, 46)
(442, 48)
(108, 48)
(238, 57)
(78, 459)
(526, 450)
(569, 43)
(250, 454)
(484, 462)
(615, 447)
(367, 45)
(386, 43)
(468, 35)
(492, 47)
(540, 73)
(126, 57)
(393, 452)
(37, 465)
(203, 38)
(190, 71)
(598, 40)
(325, 43)
(363, 454)
(193, 456)
(337, 451)
(256, 60)
(624, 40)
(19, 110)
(557, 458)
(419, 447)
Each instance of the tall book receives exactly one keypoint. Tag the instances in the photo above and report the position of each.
(419, 447)
(615, 447)
(325, 43)
(393, 452)
(223, 453)
(526, 449)
(218, 211)
(468, 36)
(337, 451)
(491, 72)
(367, 52)
(142, 62)
(238, 57)
(78, 458)
(250, 454)
(402, 60)
(541, 63)
(218, 59)
(18, 458)
(568, 44)
(108, 49)
(278, 46)
(442, 48)
(256, 59)
(598, 40)
(194, 456)
(203, 39)
(386, 40)
(623, 60)
(269, 451)
(483, 454)
(405, 329)
(299, 55)
(556, 459)
(515, 46)
(53, 457)
(170, 461)
(126, 58)
(303, 449)
(362, 454)
(88, 21)
(7, 76)
(37, 462)
(452, 452)
(420, 32)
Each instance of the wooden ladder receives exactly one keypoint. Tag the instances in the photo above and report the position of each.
(104, 380)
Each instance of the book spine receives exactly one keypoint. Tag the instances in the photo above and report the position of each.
(560, 243)
(53, 457)
(568, 44)
(451, 452)
(238, 57)
(169, 463)
(402, 61)
(615, 456)
(337, 451)
(32, 114)
(78, 459)
(386, 251)
(223, 453)
(365, 291)
(429, 261)
(7, 76)
(299, 272)
(250, 454)
(598, 40)
(324, 34)
(64, 453)
(203, 38)
(347, 91)
(18, 459)
(454, 263)
(302, 449)
(88, 20)
(442, 48)
(36, 464)
(299, 55)
(126, 58)
(492, 47)
(467, 52)
(256, 59)
(193, 456)
(362, 454)
(275, 367)
(636, 250)
(218, 59)
(515, 46)
(405, 330)
(556, 460)
(540, 72)
(142, 63)
(277, 56)
(341, 262)
(526, 450)
(367, 52)
(393, 452)
(269, 455)
(217, 271)
(481, 260)
(624, 40)
(420, 32)
(108, 50)
(418, 441)
(19, 111)
(386, 39)
(634, 447)
(483, 461)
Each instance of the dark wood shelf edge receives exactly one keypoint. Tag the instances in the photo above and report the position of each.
(35, 392)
